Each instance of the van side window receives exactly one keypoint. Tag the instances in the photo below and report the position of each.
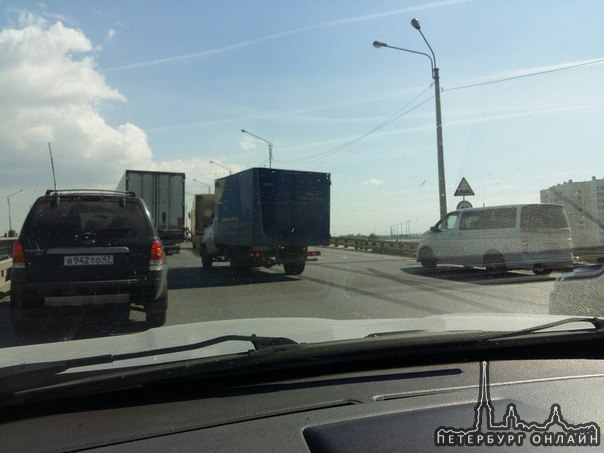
(488, 219)
(448, 222)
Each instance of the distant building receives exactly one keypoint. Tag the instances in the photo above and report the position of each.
(584, 204)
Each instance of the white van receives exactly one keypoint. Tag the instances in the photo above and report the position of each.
(500, 238)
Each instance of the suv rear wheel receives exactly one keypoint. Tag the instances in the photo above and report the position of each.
(155, 312)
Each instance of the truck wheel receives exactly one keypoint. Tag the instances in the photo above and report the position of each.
(240, 263)
(294, 268)
(206, 260)
(239, 268)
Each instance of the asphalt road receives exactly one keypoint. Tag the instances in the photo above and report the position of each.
(341, 284)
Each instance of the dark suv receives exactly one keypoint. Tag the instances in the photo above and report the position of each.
(88, 250)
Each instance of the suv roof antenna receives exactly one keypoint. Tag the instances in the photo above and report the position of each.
(52, 165)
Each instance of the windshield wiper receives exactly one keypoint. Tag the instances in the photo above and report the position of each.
(597, 323)
(481, 335)
(24, 371)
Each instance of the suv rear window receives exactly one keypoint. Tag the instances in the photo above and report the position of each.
(64, 223)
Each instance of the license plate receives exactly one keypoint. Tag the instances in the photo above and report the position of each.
(88, 260)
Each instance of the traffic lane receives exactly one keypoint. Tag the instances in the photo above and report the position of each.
(346, 285)
(340, 285)
(445, 289)
(317, 292)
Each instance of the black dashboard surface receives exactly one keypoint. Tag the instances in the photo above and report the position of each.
(513, 405)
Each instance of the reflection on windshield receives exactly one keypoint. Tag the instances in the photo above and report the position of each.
(235, 162)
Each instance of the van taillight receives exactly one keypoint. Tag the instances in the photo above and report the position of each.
(157, 255)
(18, 256)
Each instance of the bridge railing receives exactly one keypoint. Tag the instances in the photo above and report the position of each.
(402, 247)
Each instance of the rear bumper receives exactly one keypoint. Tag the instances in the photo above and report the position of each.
(87, 294)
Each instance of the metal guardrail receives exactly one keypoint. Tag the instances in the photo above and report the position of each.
(408, 247)
(5, 268)
(399, 248)
(6, 263)
(594, 253)
(6, 248)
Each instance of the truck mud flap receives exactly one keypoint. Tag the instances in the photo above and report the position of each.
(313, 255)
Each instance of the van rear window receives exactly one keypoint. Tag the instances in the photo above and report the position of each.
(488, 219)
(542, 216)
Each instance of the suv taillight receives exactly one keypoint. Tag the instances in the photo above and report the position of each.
(18, 256)
(156, 259)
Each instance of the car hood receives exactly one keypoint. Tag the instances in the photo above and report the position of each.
(301, 330)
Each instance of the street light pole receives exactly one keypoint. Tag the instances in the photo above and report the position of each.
(270, 146)
(439, 125)
(10, 224)
(222, 166)
(201, 182)
(439, 143)
(442, 190)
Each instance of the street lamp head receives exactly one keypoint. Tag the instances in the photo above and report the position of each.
(415, 24)
(378, 44)
(244, 131)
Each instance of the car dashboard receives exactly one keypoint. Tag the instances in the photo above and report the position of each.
(517, 405)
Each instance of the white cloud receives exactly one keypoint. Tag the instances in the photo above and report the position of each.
(374, 182)
(50, 91)
(248, 143)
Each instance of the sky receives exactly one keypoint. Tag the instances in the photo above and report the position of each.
(169, 85)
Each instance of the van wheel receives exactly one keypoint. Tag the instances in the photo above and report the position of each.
(426, 257)
(494, 263)
(542, 271)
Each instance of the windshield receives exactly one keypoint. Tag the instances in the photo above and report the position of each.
(312, 171)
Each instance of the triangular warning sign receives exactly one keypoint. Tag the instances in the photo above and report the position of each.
(463, 189)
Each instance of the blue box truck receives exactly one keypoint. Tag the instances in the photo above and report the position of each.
(266, 217)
